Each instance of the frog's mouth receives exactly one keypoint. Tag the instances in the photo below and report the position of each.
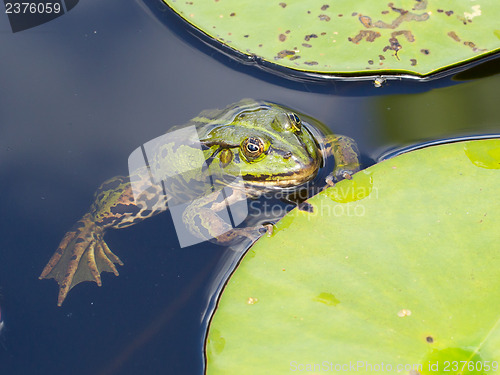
(285, 180)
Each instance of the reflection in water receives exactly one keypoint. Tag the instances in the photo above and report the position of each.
(398, 151)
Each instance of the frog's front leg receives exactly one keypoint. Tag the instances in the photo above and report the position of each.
(83, 254)
(204, 221)
(346, 155)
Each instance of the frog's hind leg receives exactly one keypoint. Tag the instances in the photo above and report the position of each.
(81, 256)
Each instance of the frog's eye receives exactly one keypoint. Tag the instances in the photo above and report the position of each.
(294, 121)
(252, 147)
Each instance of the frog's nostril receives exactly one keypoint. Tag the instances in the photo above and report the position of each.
(288, 155)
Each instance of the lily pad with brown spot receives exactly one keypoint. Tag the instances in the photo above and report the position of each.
(414, 38)
(394, 271)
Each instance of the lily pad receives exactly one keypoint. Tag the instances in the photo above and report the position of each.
(325, 39)
(395, 271)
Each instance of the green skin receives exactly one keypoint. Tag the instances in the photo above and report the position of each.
(269, 146)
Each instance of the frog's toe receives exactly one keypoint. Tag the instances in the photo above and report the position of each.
(81, 256)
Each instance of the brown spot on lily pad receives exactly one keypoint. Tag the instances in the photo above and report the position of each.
(325, 7)
(370, 62)
(283, 54)
(306, 45)
(232, 14)
(425, 51)
(453, 35)
(282, 37)
(365, 20)
(407, 33)
(324, 17)
(283, 5)
(413, 62)
(295, 57)
(311, 62)
(368, 34)
(307, 38)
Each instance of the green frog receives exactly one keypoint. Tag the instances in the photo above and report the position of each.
(262, 146)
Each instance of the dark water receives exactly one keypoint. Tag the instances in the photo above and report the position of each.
(78, 95)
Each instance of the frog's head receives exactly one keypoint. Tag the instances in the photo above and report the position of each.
(268, 145)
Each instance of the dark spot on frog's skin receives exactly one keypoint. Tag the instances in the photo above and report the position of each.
(287, 155)
(370, 62)
(73, 257)
(306, 207)
(136, 220)
(111, 185)
(121, 208)
(152, 202)
(306, 45)
(79, 240)
(325, 7)
(413, 62)
(78, 225)
(425, 51)
(311, 62)
(282, 37)
(324, 17)
(283, 5)
(429, 339)
(307, 38)
(146, 213)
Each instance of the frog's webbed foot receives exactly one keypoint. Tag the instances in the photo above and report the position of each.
(332, 178)
(235, 235)
(81, 256)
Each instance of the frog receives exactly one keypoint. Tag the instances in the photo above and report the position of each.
(264, 146)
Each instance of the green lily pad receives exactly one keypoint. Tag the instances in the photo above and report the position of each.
(349, 38)
(397, 269)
